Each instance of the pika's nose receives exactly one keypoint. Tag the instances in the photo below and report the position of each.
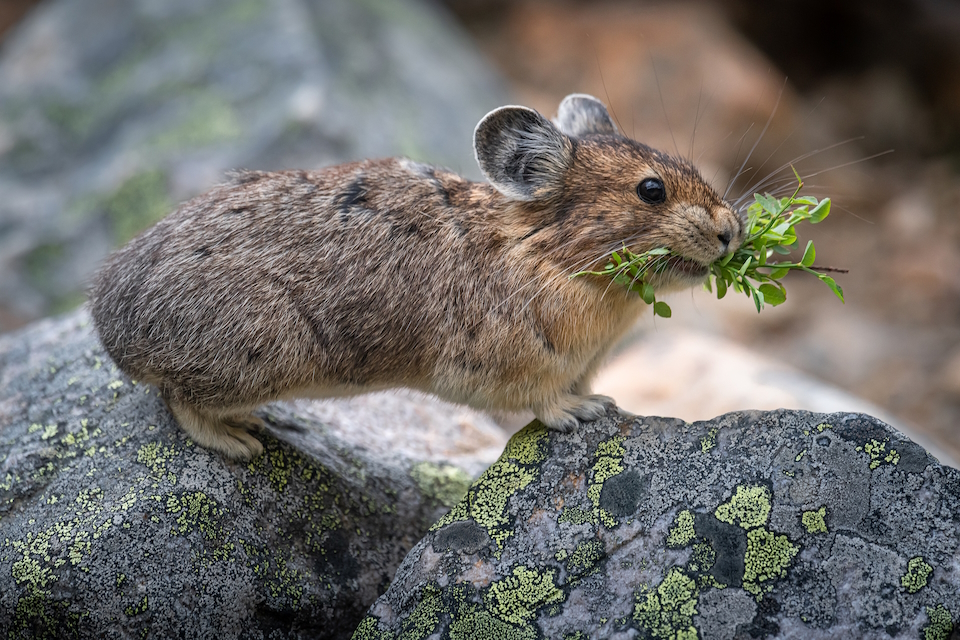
(730, 230)
(725, 239)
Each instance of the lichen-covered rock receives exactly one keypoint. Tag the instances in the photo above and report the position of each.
(753, 525)
(112, 112)
(114, 525)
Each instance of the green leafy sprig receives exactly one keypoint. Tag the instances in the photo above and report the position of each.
(749, 269)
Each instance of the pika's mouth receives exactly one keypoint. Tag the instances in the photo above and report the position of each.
(687, 267)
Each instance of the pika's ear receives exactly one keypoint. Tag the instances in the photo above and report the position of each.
(521, 153)
(580, 114)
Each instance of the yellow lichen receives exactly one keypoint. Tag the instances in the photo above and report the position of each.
(916, 576)
(815, 521)
(667, 611)
(879, 454)
(709, 441)
(749, 507)
(767, 557)
(940, 625)
(682, 533)
(486, 500)
(517, 597)
(609, 462)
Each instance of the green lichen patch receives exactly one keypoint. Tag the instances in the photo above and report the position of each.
(815, 521)
(472, 622)
(702, 559)
(767, 558)
(575, 515)
(28, 572)
(443, 483)
(667, 611)
(609, 463)
(939, 624)
(486, 501)
(369, 629)
(918, 571)
(749, 507)
(280, 466)
(195, 511)
(585, 558)
(425, 617)
(528, 448)
(682, 533)
(517, 597)
(709, 441)
(879, 454)
(505, 610)
(155, 457)
(137, 609)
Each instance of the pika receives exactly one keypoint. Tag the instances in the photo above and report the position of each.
(391, 273)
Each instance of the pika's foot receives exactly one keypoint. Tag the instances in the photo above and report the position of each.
(228, 434)
(567, 412)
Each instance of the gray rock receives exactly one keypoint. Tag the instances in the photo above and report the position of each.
(114, 525)
(783, 524)
(112, 112)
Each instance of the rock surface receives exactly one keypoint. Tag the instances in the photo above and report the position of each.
(114, 525)
(112, 112)
(686, 374)
(784, 524)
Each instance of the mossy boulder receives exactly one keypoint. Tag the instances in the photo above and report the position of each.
(114, 525)
(784, 524)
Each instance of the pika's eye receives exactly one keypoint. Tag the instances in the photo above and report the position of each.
(652, 191)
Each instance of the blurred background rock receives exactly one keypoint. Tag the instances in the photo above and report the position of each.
(112, 112)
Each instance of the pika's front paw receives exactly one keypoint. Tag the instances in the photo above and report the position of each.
(566, 414)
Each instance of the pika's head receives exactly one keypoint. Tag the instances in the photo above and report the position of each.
(598, 190)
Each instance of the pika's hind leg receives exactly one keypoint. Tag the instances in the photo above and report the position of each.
(229, 434)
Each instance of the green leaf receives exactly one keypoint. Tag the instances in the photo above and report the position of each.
(757, 299)
(837, 290)
(805, 200)
(767, 202)
(809, 254)
(772, 294)
(662, 309)
(820, 212)
(721, 288)
(776, 274)
(781, 229)
(647, 293)
(616, 258)
(781, 250)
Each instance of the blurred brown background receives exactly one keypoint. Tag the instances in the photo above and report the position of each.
(856, 80)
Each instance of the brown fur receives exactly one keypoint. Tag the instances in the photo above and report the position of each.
(388, 273)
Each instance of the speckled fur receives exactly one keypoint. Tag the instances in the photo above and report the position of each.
(387, 273)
